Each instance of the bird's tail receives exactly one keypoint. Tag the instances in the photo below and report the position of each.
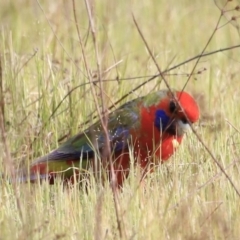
(22, 176)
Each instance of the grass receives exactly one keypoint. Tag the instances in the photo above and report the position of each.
(41, 58)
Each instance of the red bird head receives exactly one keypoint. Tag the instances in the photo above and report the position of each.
(175, 112)
(171, 113)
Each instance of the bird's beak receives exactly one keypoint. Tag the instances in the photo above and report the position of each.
(182, 127)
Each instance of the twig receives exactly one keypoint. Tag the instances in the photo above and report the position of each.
(204, 49)
(58, 40)
(130, 92)
(104, 121)
(214, 210)
(7, 160)
(194, 131)
(2, 101)
(232, 125)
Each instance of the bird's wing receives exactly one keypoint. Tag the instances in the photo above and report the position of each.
(93, 139)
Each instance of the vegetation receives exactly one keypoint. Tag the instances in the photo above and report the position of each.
(48, 63)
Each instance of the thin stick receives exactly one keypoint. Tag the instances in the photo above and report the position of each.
(7, 160)
(104, 121)
(2, 101)
(204, 49)
(210, 215)
(194, 131)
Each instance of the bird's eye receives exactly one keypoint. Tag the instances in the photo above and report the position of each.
(172, 106)
(184, 120)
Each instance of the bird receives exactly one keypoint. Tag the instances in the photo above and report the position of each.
(147, 129)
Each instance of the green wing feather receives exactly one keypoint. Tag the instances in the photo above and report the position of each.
(84, 144)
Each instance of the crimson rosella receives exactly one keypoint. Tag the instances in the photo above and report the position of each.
(148, 128)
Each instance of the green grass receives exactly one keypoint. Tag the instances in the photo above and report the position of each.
(186, 198)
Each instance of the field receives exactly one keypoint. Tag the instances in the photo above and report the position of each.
(48, 54)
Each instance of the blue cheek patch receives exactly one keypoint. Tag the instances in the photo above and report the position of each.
(161, 120)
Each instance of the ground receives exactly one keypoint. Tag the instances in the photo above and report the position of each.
(45, 96)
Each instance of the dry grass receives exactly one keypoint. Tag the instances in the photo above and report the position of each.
(42, 66)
